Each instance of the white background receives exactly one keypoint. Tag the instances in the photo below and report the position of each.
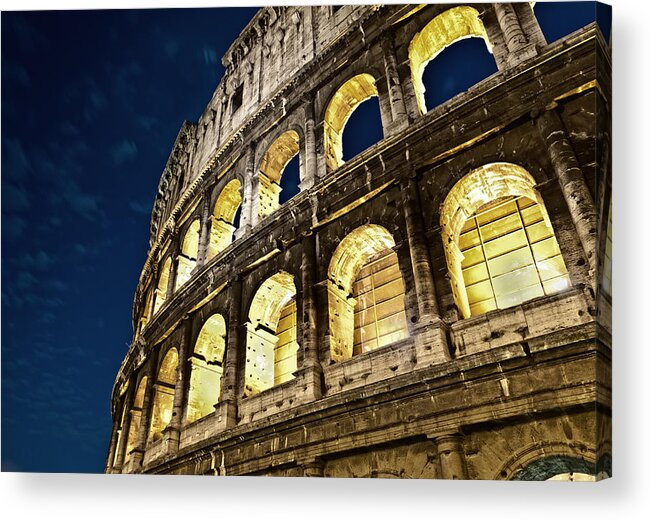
(626, 496)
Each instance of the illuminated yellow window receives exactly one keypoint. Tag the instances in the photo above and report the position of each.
(187, 259)
(499, 243)
(607, 277)
(273, 164)
(164, 395)
(223, 219)
(271, 346)
(379, 311)
(206, 368)
(136, 415)
(510, 255)
(365, 293)
(161, 288)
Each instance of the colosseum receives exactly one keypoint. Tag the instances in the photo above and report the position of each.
(436, 306)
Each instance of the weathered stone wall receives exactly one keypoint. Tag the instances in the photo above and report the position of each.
(480, 397)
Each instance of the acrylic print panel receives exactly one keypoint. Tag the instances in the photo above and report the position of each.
(379, 244)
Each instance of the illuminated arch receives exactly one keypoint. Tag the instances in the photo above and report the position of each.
(342, 104)
(499, 243)
(161, 288)
(558, 468)
(365, 293)
(164, 394)
(136, 415)
(206, 370)
(189, 251)
(223, 218)
(278, 155)
(442, 31)
(271, 346)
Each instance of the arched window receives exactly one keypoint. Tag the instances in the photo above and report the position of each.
(499, 243)
(121, 433)
(206, 371)
(136, 415)
(224, 218)
(271, 346)
(444, 30)
(161, 288)
(558, 468)
(343, 103)
(189, 252)
(164, 394)
(365, 293)
(275, 161)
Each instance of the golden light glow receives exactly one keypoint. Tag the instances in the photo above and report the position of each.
(136, 414)
(445, 29)
(161, 289)
(341, 106)
(365, 293)
(573, 476)
(206, 371)
(279, 154)
(189, 251)
(271, 346)
(499, 243)
(164, 394)
(223, 220)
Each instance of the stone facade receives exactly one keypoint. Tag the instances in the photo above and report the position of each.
(517, 392)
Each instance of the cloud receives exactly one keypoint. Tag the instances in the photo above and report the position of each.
(124, 151)
(13, 227)
(210, 56)
(15, 199)
(25, 280)
(171, 48)
(15, 162)
(39, 261)
(140, 208)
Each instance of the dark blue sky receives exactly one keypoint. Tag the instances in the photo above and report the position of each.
(91, 104)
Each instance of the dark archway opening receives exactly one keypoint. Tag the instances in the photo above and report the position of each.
(363, 129)
(456, 69)
(290, 179)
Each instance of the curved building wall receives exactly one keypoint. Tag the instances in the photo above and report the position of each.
(345, 335)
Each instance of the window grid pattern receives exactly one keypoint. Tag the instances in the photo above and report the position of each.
(379, 292)
(285, 363)
(510, 255)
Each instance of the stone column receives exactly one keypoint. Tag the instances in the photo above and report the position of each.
(575, 190)
(172, 433)
(313, 468)
(398, 110)
(227, 406)
(310, 174)
(124, 428)
(108, 467)
(204, 237)
(245, 215)
(311, 368)
(517, 42)
(174, 266)
(137, 455)
(431, 338)
(451, 456)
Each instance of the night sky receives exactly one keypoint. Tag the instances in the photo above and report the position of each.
(91, 104)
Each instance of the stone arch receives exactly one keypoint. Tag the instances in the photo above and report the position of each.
(206, 368)
(499, 242)
(161, 288)
(223, 223)
(271, 345)
(187, 259)
(442, 31)
(277, 156)
(365, 293)
(557, 468)
(342, 104)
(163, 403)
(136, 414)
